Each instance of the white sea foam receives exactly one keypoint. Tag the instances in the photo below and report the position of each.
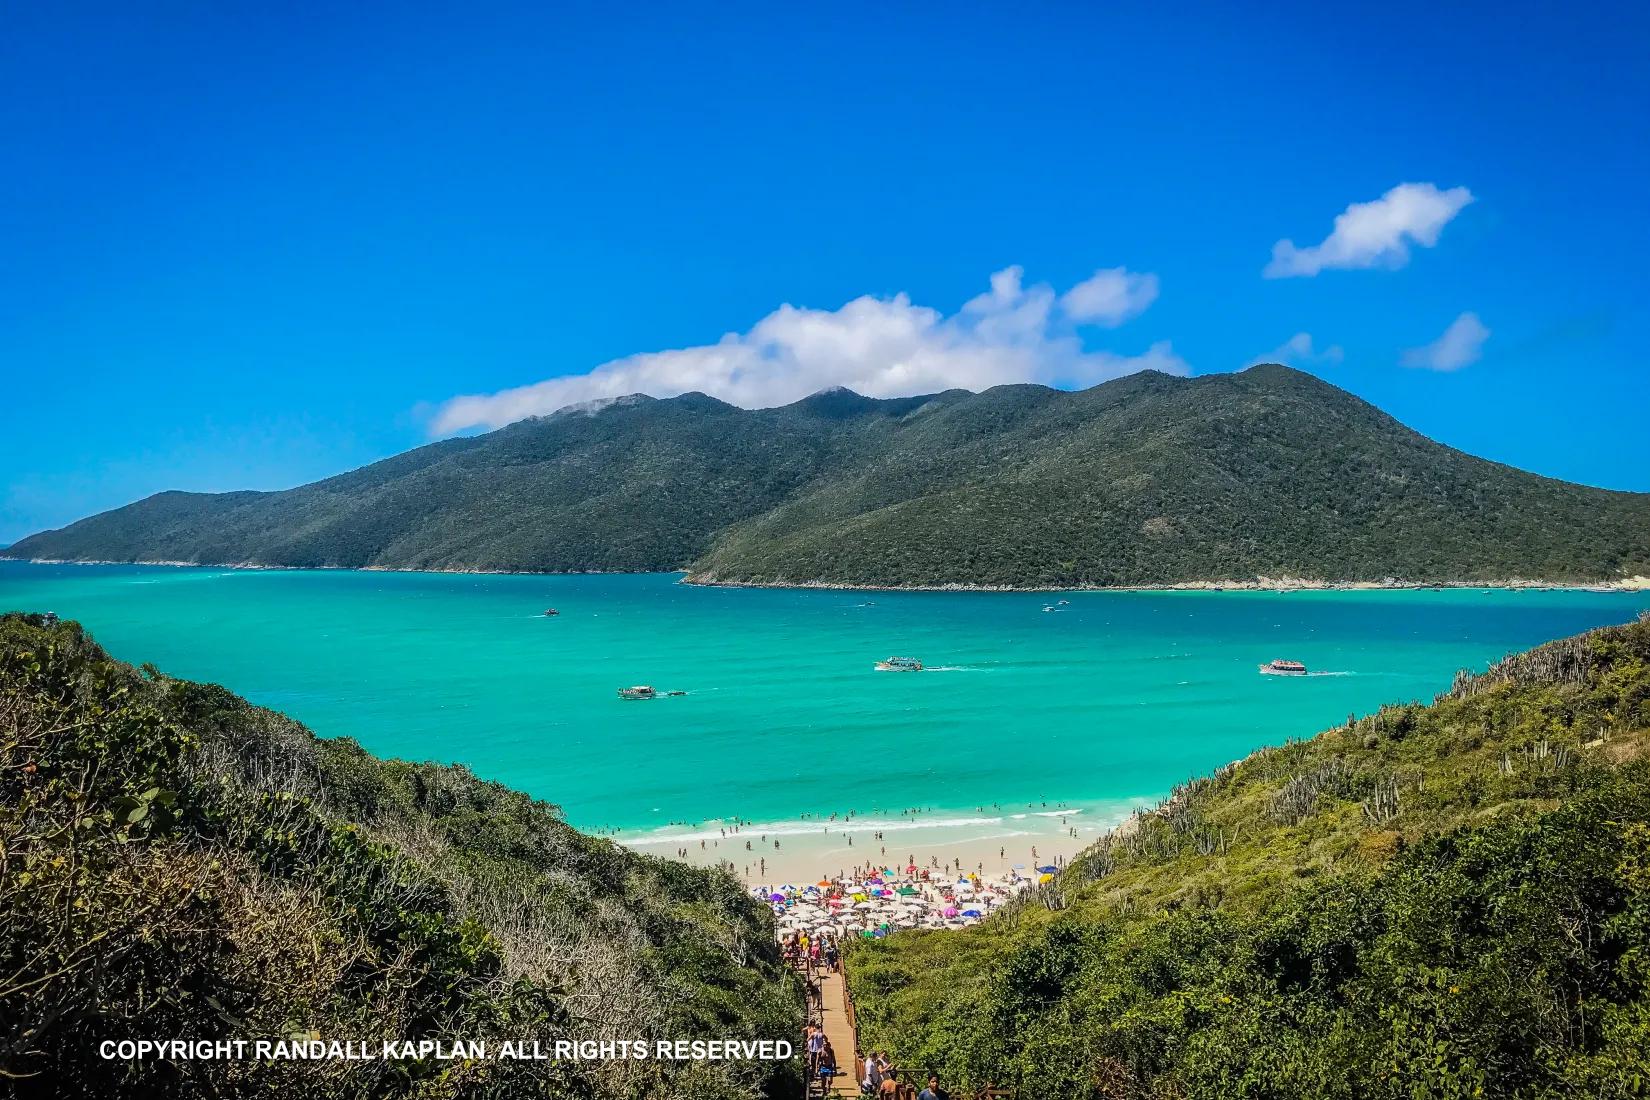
(755, 830)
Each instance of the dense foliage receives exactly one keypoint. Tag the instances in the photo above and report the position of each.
(1450, 900)
(1147, 479)
(177, 863)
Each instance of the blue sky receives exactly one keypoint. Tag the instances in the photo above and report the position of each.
(251, 246)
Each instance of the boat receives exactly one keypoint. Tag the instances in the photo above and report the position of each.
(550, 612)
(1283, 668)
(900, 664)
(640, 691)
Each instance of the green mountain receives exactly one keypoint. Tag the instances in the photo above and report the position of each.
(1148, 479)
(1450, 900)
(176, 863)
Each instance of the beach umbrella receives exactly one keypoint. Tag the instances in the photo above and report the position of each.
(906, 891)
(970, 912)
(950, 910)
(1049, 870)
(1046, 878)
(776, 896)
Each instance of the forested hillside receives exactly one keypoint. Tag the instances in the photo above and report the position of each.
(1444, 900)
(1149, 479)
(177, 863)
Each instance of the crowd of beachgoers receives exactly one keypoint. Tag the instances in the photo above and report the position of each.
(990, 840)
(872, 901)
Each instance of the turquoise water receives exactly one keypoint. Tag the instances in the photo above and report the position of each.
(1112, 698)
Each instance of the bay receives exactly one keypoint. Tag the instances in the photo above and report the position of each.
(1104, 702)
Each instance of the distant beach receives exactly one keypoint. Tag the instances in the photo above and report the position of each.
(710, 580)
(1251, 584)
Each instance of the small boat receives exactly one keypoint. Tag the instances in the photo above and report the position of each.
(640, 691)
(551, 612)
(899, 664)
(1283, 668)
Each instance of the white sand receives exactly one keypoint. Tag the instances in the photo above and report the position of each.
(991, 841)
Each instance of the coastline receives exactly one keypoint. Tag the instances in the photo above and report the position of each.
(990, 840)
(1256, 584)
(1637, 583)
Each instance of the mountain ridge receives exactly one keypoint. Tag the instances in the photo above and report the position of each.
(1147, 480)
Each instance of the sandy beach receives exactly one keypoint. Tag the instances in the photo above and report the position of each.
(989, 840)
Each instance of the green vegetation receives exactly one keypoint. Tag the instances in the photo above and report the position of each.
(1145, 480)
(177, 863)
(1450, 900)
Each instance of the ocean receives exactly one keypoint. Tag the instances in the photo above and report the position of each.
(1097, 706)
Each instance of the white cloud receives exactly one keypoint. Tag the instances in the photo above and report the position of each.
(880, 347)
(1110, 297)
(1461, 344)
(1299, 351)
(1375, 234)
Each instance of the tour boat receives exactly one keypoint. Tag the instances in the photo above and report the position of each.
(640, 691)
(900, 664)
(1283, 668)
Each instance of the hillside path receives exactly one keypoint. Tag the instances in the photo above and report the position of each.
(839, 1030)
